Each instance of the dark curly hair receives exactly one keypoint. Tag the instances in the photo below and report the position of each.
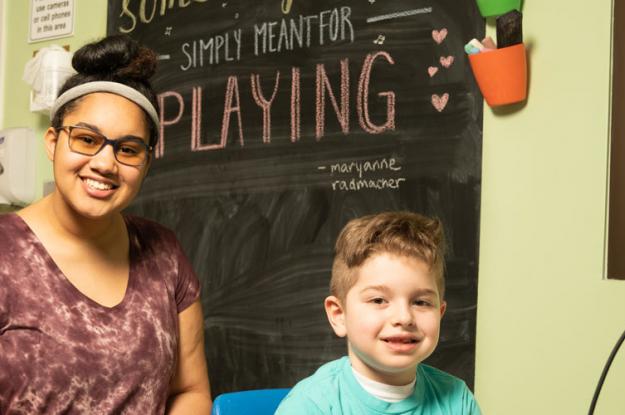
(115, 58)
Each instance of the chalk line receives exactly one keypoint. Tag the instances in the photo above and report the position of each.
(405, 13)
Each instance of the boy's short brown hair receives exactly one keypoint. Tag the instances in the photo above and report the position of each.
(401, 233)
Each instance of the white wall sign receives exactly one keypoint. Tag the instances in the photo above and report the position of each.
(51, 19)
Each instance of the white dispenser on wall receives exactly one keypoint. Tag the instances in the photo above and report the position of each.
(17, 166)
(46, 72)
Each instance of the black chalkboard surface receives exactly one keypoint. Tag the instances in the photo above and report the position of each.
(282, 120)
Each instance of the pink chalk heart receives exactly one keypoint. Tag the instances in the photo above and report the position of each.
(432, 70)
(446, 61)
(440, 102)
(439, 35)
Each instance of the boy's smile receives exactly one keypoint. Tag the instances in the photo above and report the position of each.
(391, 317)
(401, 343)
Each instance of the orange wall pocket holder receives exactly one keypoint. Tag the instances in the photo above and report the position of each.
(501, 74)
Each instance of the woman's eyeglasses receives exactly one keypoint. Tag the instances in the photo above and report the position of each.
(130, 151)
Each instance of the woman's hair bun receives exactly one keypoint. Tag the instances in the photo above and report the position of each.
(115, 57)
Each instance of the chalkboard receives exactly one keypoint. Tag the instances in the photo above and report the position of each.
(282, 120)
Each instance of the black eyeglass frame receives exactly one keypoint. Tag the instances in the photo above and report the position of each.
(114, 143)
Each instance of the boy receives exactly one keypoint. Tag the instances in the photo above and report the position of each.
(386, 297)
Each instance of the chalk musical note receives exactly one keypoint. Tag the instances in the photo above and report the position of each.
(371, 1)
(224, 4)
(380, 40)
(168, 31)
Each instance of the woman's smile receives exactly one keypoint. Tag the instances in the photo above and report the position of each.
(99, 189)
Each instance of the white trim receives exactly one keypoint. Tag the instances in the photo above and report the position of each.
(606, 223)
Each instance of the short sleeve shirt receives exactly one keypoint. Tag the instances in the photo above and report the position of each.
(333, 390)
(61, 352)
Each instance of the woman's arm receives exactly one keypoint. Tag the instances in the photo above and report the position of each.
(189, 392)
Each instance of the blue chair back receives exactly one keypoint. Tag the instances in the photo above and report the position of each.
(251, 402)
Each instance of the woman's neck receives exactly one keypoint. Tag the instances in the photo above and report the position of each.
(69, 224)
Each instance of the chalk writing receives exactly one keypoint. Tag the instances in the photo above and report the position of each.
(264, 103)
(296, 105)
(323, 85)
(360, 169)
(286, 6)
(406, 13)
(323, 88)
(374, 184)
(363, 93)
(145, 13)
(303, 31)
(225, 47)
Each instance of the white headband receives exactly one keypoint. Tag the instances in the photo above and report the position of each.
(106, 86)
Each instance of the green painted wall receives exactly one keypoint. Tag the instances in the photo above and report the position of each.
(547, 319)
(90, 24)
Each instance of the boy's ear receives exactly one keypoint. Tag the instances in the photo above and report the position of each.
(336, 315)
(51, 138)
(443, 308)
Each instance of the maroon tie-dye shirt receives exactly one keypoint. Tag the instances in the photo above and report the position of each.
(61, 352)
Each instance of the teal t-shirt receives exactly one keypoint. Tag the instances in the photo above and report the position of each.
(333, 390)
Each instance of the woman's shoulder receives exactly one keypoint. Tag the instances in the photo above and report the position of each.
(11, 224)
(17, 241)
(8, 218)
(146, 225)
(142, 223)
(147, 232)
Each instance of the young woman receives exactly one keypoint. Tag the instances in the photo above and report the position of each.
(99, 311)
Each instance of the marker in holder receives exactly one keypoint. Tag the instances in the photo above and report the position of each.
(501, 74)
(489, 8)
